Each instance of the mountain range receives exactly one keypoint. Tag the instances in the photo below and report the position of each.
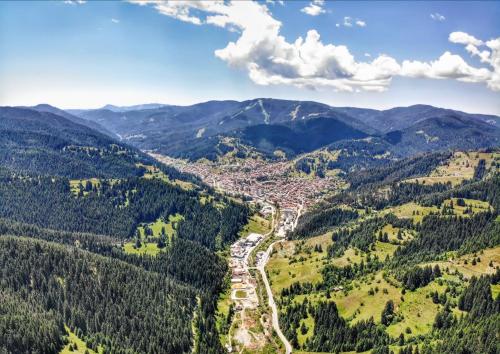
(270, 128)
(294, 127)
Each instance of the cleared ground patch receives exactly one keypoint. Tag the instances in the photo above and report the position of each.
(361, 304)
(149, 248)
(76, 345)
(160, 226)
(412, 211)
(295, 261)
(476, 264)
(154, 172)
(256, 224)
(240, 294)
(149, 242)
(417, 212)
(384, 249)
(392, 233)
(458, 168)
(418, 311)
(471, 205)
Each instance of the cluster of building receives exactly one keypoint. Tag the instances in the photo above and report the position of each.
(241, 248)
(241, 280)
(260, 181)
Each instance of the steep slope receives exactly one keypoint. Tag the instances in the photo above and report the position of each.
(69, 184)
(197, 131)
(173, 129)
(46, 143)
(88, 123)
(77, 287)
(403, 117)
(442, 133)
(299, 137)
(391, 263)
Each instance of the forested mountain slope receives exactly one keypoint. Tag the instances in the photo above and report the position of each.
(88, 123)
(399, 118)
(99, 241)
(46, 143)
(406, 260)
(199, 130)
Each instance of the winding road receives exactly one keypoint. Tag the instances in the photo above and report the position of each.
(261, 268)
(272, 304)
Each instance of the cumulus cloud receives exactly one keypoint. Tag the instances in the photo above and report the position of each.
(314, 8)
(114, 20)
(452, 66)
(308, 62)
(438, 17)
(464, 38)
(448, 66)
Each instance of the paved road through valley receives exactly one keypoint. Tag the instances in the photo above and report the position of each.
(272, 304)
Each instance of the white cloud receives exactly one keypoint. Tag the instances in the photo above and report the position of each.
(494, 60)
(350, 22)
(464, 38)
(114, 20)
(314, 8)
(180, 9)
(360, 23)
(75, 2)
(452, 66)
(438, 17)
(272, 2)
(270, 59)
(448, 66)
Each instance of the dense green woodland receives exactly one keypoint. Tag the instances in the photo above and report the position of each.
(117, 208)
(114, 210)
(61, 252)
(109, 301)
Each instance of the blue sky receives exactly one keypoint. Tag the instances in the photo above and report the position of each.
(87, 54)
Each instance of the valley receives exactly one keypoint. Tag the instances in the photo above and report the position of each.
(260, 181)
(350, 246)
(249, 177)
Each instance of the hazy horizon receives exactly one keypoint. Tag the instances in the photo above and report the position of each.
(370, 55)
(243, 100)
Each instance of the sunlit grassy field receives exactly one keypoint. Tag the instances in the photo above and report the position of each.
(256, 224)
(76, 345)
(458, 168)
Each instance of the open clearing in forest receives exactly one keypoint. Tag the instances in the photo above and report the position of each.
(282, 274)
(154, 172)
(149, 244)
(157, 226)
(485, 261)
(240, 294)
(147, 248)
(76, 345)
(256, 224)
(416, 212)
(458, 168)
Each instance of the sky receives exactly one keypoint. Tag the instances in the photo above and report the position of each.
(85, 54)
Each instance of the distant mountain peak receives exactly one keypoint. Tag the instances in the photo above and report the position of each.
(138, 107)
